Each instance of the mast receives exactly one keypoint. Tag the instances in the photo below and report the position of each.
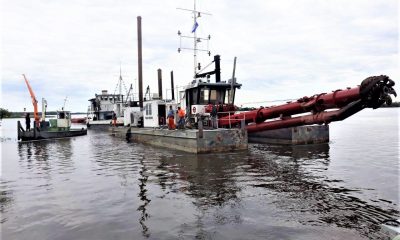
(196, 40)
(119, 86)
(120, 80)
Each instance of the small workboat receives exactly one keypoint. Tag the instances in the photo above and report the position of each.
(54, 128)
(42, 129)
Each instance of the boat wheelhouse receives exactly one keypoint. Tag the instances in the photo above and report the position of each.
(103, 105)
(201, 95)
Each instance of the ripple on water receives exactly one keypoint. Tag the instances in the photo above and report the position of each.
(100, 187)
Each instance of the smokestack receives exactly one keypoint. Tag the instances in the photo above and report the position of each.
(139, 34)
(217, 68)
(159, 84)
(172, 85)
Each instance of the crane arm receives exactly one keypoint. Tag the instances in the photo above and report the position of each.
(34, 101)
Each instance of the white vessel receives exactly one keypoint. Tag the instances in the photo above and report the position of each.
(105, 106)
(197, 98)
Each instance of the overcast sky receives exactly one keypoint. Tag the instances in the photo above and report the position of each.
(286, 49)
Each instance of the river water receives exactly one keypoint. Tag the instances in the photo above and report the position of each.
(101, 187)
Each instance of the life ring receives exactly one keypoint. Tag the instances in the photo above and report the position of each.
(194, 109)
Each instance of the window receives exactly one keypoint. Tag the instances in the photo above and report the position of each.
(182, 95)
(227, 95)
(148, 109)
(213, 95)
(220, 96)
(204, 95)
(193, 94)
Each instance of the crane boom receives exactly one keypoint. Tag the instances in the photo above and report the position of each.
(34, 101)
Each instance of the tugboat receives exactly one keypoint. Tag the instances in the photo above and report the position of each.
(54, 128)
(42, 129)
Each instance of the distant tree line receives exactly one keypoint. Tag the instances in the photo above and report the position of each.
(394, 104)
(4, 113)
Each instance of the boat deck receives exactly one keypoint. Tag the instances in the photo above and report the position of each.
(190, 140)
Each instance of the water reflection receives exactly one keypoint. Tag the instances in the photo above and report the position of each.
(290, 178)
(6, 199)
(207, 178)
(293, 176)
(308, 191)
(105, 188)
(114, 157)
(315, 151)
(34, 154)
(42, 155)
(144, 200)
(209, 181)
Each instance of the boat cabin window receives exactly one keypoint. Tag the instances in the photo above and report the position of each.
(204, 96)
(148, 109)
(182, 95)
(213, 96)
(63, 115)
(228, 95)
(217, 96)
(193, 96)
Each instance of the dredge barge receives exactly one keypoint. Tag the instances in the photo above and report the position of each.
(300, 122)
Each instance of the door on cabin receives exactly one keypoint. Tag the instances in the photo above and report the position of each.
(162, 115)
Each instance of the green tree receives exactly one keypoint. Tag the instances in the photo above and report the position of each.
(4, 113)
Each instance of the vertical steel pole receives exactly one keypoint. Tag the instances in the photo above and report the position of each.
(172, 85)
(159, 73)
(140, 67)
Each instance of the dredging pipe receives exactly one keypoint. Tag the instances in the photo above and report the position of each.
(372, 93)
